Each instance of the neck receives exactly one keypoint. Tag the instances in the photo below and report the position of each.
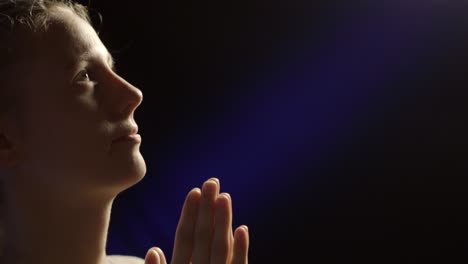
(44, 230)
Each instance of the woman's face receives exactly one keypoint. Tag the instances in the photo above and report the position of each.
(73, 107)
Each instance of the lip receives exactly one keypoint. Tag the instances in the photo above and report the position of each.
(132, 138)
(125, 133)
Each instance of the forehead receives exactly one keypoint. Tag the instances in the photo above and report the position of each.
(67, 40)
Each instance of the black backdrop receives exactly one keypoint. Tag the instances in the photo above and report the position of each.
(395, 194)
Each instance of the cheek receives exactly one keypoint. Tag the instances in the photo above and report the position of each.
(48, 130)
(46, 116)
(66, 147)
(61, 126)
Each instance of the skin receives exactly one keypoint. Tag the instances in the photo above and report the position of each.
(204, 232)
(62, 171)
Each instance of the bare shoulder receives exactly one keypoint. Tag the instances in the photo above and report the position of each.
(120, 259)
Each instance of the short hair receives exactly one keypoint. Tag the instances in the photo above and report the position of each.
(26, 16)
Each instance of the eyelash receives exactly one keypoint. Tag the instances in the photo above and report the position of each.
(83, 73)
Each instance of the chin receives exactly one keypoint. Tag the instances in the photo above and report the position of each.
(123, 173)
(132, 171)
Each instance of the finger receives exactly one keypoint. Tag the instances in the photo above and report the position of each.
(162, 258)
(221, 237)
(231, 237)
(183, 244)
(203, 229)
(241, 245)
(152, 256)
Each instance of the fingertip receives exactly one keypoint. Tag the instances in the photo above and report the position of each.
(242, 233)
(210, 189)
(158, 250)
(223, 208)
(241, 245)
(195, 190)
(210, 183)
(161, 255)
(225, 195)
(214, 179)
(152, 256)
(246, 228)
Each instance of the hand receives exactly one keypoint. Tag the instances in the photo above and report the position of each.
(204, 232)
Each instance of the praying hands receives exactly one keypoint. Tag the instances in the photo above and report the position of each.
(204, 233)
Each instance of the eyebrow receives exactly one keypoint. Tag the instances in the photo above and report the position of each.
(89, 55)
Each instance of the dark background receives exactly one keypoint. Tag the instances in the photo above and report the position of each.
(338, 127)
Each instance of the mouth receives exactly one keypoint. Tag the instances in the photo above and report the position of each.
(128, 135)
(132, 138)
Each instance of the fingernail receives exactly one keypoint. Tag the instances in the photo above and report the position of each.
(215, 179)
(158, 258)
(246, 228)
(153, 251)
(192, 191)
(226, 195)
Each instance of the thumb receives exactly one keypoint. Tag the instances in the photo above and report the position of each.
(152, 256)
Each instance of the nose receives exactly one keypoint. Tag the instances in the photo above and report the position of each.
(127, 98)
